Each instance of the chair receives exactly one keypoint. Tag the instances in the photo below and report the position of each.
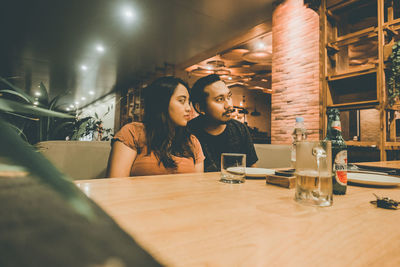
(273, 156)
(78, 159)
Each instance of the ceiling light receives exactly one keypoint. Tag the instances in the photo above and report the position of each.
(91, 93)
(37, 93)
(230, 78)
(84, 67)
(83, 98)
(99, 48)
(128, 14)
(260, 45)
(36, 103)
(67, 109)
(201, 71)
(76, 103)
(71, 106)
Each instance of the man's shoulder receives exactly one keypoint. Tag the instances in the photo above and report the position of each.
(195, 124)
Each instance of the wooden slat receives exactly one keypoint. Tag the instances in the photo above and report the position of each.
(392, 145)
(380, 87)
(352, 73)
(361, 143)
(356, 105)
(354, 36)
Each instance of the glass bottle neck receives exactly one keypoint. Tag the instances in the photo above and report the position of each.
(334, 129)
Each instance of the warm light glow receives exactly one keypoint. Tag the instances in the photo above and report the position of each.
(229, 78)
(260, 45)
(84, 67)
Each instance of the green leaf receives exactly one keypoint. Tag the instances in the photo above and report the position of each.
(23, 154)
(44, 95)
(15, 88)
(13, 106)
(15, 93)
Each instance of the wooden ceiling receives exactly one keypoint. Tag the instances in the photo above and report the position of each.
(247, 64)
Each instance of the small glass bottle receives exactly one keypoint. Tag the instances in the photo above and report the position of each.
(299, 133)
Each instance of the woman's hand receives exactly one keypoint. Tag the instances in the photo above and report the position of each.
(199, 167)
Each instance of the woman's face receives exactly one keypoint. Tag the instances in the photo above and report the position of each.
(179, 108)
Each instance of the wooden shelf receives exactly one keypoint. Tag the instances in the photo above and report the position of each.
(357, 41)
(335, 5)
(352, 73)
(362, 143)
(394, 107)
(392, 145)
(354, 36)
(356, 105)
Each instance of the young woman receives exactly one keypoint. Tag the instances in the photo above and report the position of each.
(162, 143)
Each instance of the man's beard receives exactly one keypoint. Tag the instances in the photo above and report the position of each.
(226, 113)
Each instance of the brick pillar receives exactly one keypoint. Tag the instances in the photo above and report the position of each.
(295, 70)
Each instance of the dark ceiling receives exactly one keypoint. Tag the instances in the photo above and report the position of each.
(49, 40)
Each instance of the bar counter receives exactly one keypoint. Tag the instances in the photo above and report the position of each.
(195, 220)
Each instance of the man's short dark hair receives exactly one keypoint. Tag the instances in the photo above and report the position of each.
(197, 93)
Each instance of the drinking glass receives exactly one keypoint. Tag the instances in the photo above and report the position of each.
(314, 173)
(233, 168)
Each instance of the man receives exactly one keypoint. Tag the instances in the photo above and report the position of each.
(214, 127)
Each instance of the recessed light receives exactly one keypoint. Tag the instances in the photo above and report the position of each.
(83, 98)
(37, 93)
(84, 67)
(100, 48)
(67, 109)
(71, 106)
(91, 93)
(76, 103)
(260, 45)
(128, 14)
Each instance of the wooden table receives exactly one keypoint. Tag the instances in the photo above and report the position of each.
(194, 220)
(394, 164)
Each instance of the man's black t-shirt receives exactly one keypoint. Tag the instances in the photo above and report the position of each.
(234, 139)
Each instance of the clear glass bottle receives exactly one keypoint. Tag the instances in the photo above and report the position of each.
(299, 133)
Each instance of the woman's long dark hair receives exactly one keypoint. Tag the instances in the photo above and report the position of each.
(163, 137)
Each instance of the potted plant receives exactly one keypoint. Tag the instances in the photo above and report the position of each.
(393, 75)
